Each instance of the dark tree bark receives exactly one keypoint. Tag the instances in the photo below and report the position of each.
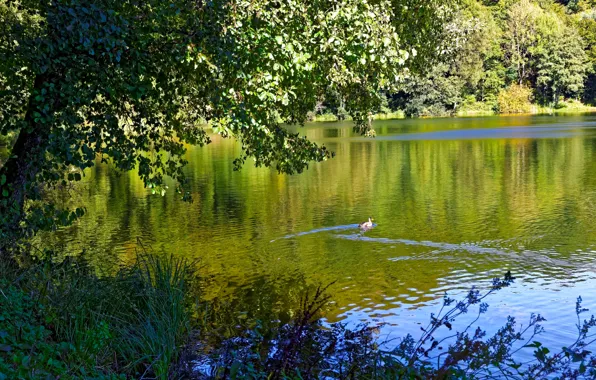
(24, 163)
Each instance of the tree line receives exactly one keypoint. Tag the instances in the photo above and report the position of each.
(506, 56)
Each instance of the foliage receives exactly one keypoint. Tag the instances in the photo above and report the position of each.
(435, 94)
(7, 140)
(586, 26)
(60, 320)
(470, 106)
(494, 44)
(561, 62)
(130, 81)
(521, 37)
(305, 349)
(515, 99)
(27, 350)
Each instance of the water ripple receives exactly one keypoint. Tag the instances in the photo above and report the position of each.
(317, 230)
(444, 246)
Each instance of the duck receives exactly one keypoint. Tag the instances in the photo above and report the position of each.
(366, 225)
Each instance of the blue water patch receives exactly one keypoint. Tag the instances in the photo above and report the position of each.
(533, 132)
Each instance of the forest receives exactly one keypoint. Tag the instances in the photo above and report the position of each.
(508, 56)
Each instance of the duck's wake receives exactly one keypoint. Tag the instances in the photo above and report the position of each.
(315, 231)
(425, 243)
(525, 255)
(361, 237)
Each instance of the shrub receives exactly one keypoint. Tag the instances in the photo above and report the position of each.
(61, 320)
(8, 139)
(472, 107)
(306, 349)
(515, 99)
(30, 349)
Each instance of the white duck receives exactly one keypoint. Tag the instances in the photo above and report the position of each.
(366, 225)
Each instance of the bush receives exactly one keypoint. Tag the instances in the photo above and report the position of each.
(28, 349)
(472, 107)
(61, 320)
(306, 349)
(571, 105)
(8, 139)
(515, 99)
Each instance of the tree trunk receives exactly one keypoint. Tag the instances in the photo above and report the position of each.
(21, 168)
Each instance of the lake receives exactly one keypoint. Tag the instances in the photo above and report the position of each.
(456, 203)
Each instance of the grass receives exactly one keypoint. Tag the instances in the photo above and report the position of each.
(62, 321)
(479, 109)
(390, 115)
(568, 106)
(379, 116)
(475, 113)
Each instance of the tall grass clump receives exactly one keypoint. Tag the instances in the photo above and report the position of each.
(162, 321)
(131, 324)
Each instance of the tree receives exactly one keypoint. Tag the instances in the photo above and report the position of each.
(130, 80)
(521, 37)
(479, 60)
(437, 93)
(561, 61)
(587, 28)
(461, 72)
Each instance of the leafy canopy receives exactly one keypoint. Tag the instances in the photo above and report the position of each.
(133, 81)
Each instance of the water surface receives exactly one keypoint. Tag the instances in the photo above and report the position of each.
(456, 202)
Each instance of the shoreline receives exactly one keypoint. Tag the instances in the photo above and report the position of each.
(400, 115)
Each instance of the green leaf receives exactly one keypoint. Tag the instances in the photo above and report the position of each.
(234, 369)
(25, 362)
(534, 344)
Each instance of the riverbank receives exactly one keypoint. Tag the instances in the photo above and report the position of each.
(60, 320)
(479, 110)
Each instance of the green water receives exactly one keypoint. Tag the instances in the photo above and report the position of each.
(456, 202)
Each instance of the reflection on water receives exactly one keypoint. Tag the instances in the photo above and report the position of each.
(457, 202)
